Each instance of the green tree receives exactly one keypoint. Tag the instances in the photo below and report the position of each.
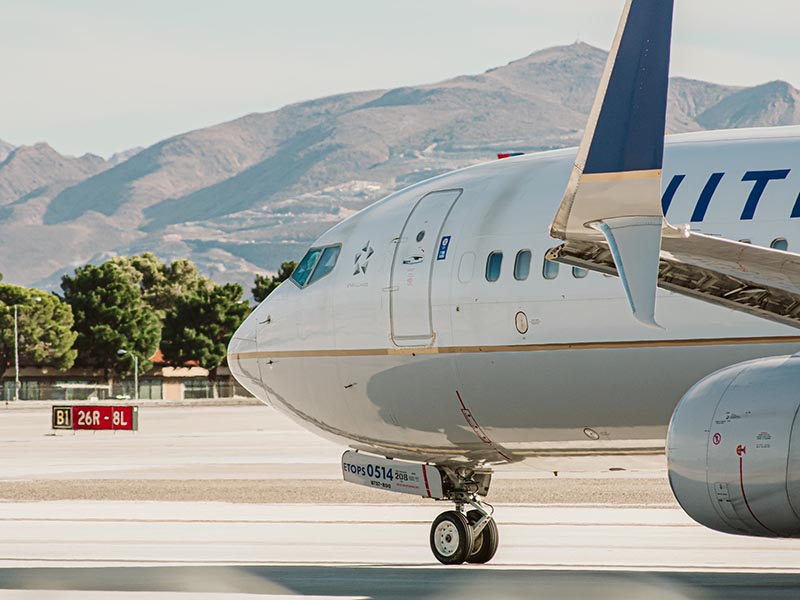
(44, 328)
(265, 285)
(111, 314)
(200, 325)
(161, 283)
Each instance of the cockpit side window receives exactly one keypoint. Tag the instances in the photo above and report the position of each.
(317, 263)
(306, 266)
(326, 263)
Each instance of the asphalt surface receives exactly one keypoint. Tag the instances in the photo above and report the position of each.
(213, 502)
(387, 583)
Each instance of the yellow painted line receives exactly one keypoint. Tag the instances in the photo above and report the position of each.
(623, 345)
(621, 176)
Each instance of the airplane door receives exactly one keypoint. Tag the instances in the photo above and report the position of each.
(412, 269)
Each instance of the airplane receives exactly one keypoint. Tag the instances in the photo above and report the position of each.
(477, 319)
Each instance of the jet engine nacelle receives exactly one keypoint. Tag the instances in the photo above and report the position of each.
(733, 449)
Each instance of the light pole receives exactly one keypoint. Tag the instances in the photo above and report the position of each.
(16, 348)
(16, 356)
(122, 352)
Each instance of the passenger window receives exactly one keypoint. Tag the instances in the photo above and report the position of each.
(550, 269)
(465, 267)
(493, 265)
(326, 263)
(579, 273)
(306, 266)
(522, 265)
(780, 244)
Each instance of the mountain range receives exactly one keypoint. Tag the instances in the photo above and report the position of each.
(242, 196)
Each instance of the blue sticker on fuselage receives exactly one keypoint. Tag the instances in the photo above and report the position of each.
(443, 246)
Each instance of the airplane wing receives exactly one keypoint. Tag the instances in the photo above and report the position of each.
(611, 218)
(759, 281)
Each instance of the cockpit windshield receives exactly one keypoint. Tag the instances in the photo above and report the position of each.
(325, 264)
(306, 266)
(317, 263)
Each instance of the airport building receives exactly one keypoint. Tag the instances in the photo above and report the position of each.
(161, 382)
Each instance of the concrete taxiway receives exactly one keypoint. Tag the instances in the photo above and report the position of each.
(379, 551)
(253, 454)
(217, 502)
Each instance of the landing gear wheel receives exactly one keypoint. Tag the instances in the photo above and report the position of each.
(485, 543)
(451, 538)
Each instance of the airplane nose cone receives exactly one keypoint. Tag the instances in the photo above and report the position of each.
(243, 360)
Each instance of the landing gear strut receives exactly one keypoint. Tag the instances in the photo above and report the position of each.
(458, 536)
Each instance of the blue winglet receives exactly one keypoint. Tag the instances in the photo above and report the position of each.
(630, 129)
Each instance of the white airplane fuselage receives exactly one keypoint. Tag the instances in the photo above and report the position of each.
(406, 349)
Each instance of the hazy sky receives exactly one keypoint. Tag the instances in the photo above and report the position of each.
(105, 75)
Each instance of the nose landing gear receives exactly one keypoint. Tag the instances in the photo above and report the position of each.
(458, 536)
(485, 542)
(452, 538)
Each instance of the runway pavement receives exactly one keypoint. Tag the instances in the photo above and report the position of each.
(380, 552)
(158, 532)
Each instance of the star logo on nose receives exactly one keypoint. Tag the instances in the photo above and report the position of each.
(362, 259)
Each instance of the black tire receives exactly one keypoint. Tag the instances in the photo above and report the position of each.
(485, 543)
(451, 538)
